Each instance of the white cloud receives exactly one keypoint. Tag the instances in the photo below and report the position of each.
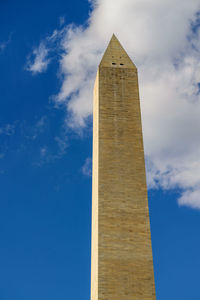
(190, 198)
(39, 60)
(41, 56)
(160, 38)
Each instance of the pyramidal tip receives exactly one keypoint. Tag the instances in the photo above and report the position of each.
(116, 56)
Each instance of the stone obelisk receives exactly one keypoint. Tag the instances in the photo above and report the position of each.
(122, 264)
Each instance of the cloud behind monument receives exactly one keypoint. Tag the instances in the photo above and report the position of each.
(162, 39)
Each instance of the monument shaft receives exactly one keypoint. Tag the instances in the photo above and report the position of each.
(122, 265)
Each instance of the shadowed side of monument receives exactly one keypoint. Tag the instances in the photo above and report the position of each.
(122, 264)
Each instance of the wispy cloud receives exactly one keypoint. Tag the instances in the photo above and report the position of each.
(163, 39)
(62, 142)
(8, 129)
(35, 140)
(4, 44)
(39, 127)
(47, 155)
(43, 152)
(87, 167)
(2, 155)
(39, 60)
(62, 20)
(41, 56)
(54, 151)
(7, 132)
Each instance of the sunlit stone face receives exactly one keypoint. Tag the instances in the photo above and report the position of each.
(122, 265)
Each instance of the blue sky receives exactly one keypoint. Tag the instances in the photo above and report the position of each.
(47, 73)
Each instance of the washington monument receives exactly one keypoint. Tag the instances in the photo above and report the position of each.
(122, 264)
